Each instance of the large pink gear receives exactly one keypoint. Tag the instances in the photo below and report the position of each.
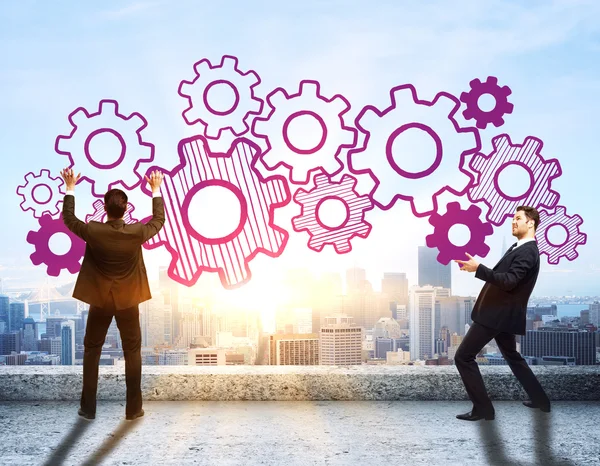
(321, 234)
(335, 136)
(241, 84)
(191, 252)
(41, 238)
(109, 124)
(99, 214)
(527, 156)
(435, 120)
(32, 201)
(574, 237)
(501, 107)
(456, 216)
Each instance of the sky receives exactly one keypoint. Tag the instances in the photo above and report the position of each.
(59, 56)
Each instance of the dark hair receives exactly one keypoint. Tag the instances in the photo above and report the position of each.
(115, 202)
(531, 214)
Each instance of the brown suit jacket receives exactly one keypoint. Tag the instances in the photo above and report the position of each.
(113, 260)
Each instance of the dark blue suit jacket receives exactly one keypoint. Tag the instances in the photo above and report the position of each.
(502, 302)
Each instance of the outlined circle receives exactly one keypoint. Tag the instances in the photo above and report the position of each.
(41, 185)
(223, 184)
(221, 112)
(414, 175)
(286, 139)
(332, 198)
(86, 148)
(556, 224)
(501, 169)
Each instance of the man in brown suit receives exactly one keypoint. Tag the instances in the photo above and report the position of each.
(113, 281)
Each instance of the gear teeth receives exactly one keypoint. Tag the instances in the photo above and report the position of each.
(475, 83)
(506, 91)
(77, 119)
(278, 98)
(369, 119)
(202, 67)
(309, 87)
(497, 122)
(229, 62)
(492, 81)
(403, 97)
(448, 107)
(109, 106)
(338, 105)
(185, 88)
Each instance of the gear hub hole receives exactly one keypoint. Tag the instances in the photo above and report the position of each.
(42, 194)
(414, 150)
(514, 181)
(305, 132)
(221, 97)
(486, 102)
(459, 235)
(104, 148)
(60, 244)
(557, 235)
(332, 213)
(215, 211)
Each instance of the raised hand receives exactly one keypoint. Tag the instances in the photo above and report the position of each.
(155, 180)
(70, 178)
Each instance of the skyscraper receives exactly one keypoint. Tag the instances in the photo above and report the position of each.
(340, 341)
(431, 272)
(16, 315)
(67, 333)
(395, 287)
(4, 313)
(424, 324)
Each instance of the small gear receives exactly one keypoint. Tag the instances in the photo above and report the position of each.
(54, 192)
(501, 107)
(321, 234)
(456, 216)
(433, 119)
(226, 73)
(335, 136)
(567, 248)
(192, 253)
(126, 131)
(527, 156)
(99, 214)
(41, 240)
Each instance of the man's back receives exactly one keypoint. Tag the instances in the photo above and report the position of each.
(113, 260)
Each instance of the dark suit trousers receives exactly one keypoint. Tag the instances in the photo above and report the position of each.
(128, 322)
(476, 338)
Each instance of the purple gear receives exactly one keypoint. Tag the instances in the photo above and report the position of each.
(38, 206)
(259, 197)
(455, 215)
(99, 214)
(107, 121)
(226, 73)
(321, 234)
(331, 115)
(527, 156)
(574, 237)
(482, 117)
(408, 113)
(41, 239)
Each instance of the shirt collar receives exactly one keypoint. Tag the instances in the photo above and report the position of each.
(523, 241)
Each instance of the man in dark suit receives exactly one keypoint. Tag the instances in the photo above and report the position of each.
(113, 281)
(500, 313)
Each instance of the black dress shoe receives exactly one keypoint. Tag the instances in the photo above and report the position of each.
(543, 408)
(131, 417)
(85, 415)
(473, 416)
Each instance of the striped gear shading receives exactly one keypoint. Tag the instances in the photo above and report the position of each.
(321, 234)
(574, 238)
(527, 156)
(192, 254)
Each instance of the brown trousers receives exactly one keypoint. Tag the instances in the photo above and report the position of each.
(128, 322)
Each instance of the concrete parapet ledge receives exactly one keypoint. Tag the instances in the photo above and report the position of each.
(294, 383)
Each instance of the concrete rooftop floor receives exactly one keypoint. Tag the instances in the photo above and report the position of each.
(298, 433)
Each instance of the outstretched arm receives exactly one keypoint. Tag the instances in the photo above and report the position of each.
(158, 208)
(71, 221)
